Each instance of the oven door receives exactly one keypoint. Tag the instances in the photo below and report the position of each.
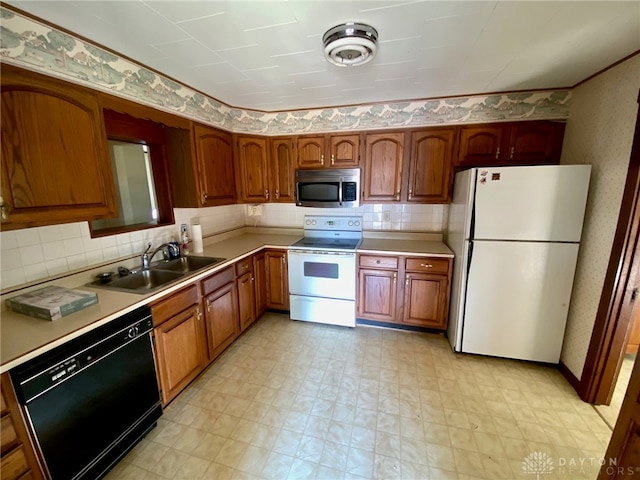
(324, 274)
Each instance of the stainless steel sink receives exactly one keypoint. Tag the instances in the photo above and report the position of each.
(159, 275)
(187, 264)
(142, 281)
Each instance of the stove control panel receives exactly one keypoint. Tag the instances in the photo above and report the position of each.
(324, 222)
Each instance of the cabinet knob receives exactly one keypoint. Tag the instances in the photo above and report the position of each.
(497, 153)
(378, 262)
(511, 154)
(277, 194)
(406, 281)
(398, 195)
(426, 265)
(321, 159)
(395, 278)
(204, 197)
(410, 193)
(333, 159)
(252, 279)
(266, 194)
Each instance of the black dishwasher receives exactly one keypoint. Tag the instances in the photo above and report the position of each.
(92, 399)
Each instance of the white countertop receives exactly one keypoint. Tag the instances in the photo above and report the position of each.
(23, 337)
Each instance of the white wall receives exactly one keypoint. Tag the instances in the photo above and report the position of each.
(36, 253)
(599, 132)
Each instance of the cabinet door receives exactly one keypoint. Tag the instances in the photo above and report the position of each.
(221, 312)
(277, 280)
(254, 180)
(425, 300)
(383, 167)
(282, 170)
(344, 151)
(534, 143)
(377, 294)
(310, 152)
(246, 300)
(53, 135)
(260, 282)
(215, 160)
(180, 351)
(430, 165)
(480, 145)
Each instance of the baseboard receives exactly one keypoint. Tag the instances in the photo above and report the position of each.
(572, 379)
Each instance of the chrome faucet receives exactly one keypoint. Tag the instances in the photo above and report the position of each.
(146, 257)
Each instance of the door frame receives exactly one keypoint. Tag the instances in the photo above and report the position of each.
(612, 324)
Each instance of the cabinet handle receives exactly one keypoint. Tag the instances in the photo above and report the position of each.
(204, 197)
(208, 305)
(3, 210)
(266, 194)
(398, 195)
(199, 314)
(321, 159)
(426, 265)
(333, 159)
(497, 153)
(277, 194)
(283, 259)
(395, 278)
(251, 279)
(406, 282)
(511, 154)
(410, 193)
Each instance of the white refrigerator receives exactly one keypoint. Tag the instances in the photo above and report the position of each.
(515, 232)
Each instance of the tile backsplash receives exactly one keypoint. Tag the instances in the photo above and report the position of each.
(36, 253)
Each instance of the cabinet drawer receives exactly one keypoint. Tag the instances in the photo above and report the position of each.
(244, 266)
(428, 265)
(14, 464)
(378, 261)
(214, 282)
(176, 303)
(8, 435)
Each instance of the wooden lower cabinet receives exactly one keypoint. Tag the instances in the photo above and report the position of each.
(260, 282)
(17, 456)
(221, 311)
(421, 299)
(179, 340)
(277, 279)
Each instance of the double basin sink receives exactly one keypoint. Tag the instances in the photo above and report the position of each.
(157, 276)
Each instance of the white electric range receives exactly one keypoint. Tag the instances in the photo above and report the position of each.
(322, 270)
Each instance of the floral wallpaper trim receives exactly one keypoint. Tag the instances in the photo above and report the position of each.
(31, 44)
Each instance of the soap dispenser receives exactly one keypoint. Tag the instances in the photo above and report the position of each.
(184, 239)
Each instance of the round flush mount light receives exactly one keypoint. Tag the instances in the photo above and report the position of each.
(350, 44)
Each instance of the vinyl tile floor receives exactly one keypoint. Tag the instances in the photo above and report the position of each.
(610, 412)
(296, 400)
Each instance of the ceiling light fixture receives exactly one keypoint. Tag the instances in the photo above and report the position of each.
(350, 44)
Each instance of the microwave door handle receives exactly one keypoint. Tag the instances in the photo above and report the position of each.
(340, 192)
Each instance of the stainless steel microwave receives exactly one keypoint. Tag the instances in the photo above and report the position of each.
(328, 188)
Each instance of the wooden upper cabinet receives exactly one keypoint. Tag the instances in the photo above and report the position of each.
(480, 144)
(514, 143)
(344, 151)
(281, 170)
(214, 152)
(384, 154)
(310, 152)
(252, 160)
(52, 135)
(328, 151)
(533, 143)
(430, 165)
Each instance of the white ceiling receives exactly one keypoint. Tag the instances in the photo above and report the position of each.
(268, 55)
